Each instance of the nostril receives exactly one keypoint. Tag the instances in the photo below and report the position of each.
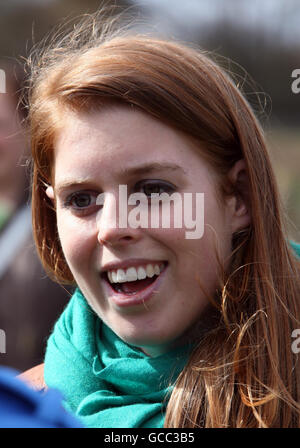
(104, 242)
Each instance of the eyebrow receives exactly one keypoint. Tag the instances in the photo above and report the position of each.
(131, 171)
(150, 167)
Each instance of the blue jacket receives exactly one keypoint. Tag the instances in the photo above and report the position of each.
(23, 407)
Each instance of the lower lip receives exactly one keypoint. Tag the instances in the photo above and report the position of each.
(138, 298)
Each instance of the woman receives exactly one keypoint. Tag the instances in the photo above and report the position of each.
(163, 329)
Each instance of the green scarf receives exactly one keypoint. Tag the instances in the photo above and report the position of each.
(296, 247)
(106, 382)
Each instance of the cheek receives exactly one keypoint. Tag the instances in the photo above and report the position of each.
(77, 239)
(203, 259)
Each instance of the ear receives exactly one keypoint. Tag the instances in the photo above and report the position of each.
(50, 193)
(238, 203)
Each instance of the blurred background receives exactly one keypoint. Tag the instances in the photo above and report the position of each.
(257, 41)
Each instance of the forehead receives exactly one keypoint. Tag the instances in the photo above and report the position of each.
(115, 139)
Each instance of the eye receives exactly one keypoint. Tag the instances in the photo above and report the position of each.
(82, 202)
(154, 186)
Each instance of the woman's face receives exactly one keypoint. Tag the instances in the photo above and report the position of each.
(97, 152)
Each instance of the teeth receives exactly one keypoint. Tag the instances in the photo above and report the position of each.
(156, 270)
(121, 276)
(132, 274)
(141, 273)
(150, 270)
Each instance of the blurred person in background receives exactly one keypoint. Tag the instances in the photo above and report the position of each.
(23, 407)
(29, 301)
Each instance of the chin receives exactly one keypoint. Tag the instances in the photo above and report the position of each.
(153, 343)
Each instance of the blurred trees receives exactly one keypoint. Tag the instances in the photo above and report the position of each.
(24, 22)
(266, 58)
(262, 50)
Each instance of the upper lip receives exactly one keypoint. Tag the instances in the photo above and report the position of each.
(128, 263)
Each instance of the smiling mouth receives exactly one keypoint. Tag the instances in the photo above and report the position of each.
(133, 280)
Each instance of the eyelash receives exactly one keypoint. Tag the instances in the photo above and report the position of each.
(166, 186)
(68, 203)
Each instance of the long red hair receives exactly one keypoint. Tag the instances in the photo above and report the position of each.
(242, 373)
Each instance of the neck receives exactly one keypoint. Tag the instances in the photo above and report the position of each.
(209, 319)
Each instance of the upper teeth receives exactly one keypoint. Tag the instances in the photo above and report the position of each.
(132, 273)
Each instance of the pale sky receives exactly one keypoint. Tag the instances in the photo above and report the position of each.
(184, 16)
(279, 16)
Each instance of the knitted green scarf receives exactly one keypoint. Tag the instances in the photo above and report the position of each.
(106, 382)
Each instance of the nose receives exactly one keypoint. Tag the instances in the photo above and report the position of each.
(112, 222)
